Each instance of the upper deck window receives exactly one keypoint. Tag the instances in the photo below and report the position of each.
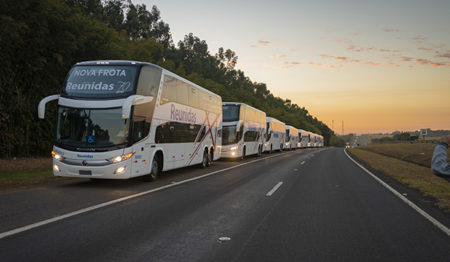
(107, 81)
(230, 113)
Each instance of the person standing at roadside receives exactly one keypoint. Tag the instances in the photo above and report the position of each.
(439, 163)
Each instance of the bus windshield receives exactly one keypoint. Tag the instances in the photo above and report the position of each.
(230, 113)
(288, 137)
(96, 129)
(230, 136)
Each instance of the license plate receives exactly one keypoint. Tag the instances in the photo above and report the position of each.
(85, 172)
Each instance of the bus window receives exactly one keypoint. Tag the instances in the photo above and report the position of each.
(149, 79)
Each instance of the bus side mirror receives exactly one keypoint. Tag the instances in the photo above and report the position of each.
(41, 107)
(238, 125)
(131, 101)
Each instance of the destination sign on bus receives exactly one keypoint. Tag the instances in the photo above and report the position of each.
(95, 81)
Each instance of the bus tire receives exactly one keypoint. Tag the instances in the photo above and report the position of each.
(205, 159)
(155, 169)
(211, 156)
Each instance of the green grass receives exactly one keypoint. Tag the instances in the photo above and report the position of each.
(25, 172)
(417, 153)
(410, 174)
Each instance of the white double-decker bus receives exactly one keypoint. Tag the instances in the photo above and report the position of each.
(309, 139)
(243, 129)
(122, 119)
(275, 132)
(319, 141)
(291, 139)
(302, 138)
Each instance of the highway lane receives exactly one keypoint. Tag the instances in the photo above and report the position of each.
(47, 201)
(326, 209)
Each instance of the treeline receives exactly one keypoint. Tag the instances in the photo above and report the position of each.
(398, 137)
(41, 39)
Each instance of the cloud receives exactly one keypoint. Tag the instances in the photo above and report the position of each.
(369, 63)
(419, 39)
(277, 56)
(421, 61)
(314, 64)
(389, 30)
(332, 67)
(425, 49)
(406, 59)
(292, 63)
(359, 49)
(261, 43)
(341, 58)
(391, 65)
(444, 55)
(389, 50)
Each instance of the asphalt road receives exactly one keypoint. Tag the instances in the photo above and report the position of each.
(306, 205)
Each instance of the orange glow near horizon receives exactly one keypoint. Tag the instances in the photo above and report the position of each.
(380, 66)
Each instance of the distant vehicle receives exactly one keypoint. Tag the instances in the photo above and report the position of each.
(243, 129)
(123, 119)
(303, 138)
(291, 139)
(320, 141)
(275, 133)
(310, 140)
(347, 145)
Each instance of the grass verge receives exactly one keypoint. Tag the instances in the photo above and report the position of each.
(410, 174)
(25, 172)
(420, 154)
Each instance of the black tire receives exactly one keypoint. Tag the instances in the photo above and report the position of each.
(205, 159)
(211, 157)
(154, 171)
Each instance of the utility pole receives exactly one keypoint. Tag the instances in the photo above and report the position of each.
(332, 125)
(342, 127)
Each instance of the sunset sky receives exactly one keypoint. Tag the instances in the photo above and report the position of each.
(380, 66)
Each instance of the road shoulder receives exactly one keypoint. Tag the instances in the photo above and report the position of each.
(426, 203)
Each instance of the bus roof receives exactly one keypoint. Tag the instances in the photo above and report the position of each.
(271, 119)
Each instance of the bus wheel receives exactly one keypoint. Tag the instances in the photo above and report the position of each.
(154, 172)
(210, 157)
(205, 159)
(243, 153)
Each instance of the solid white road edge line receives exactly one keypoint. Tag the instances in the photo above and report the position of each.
(404, 199)
(274, 189)
(112, 202)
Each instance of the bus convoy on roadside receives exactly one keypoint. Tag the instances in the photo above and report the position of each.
(124, 119)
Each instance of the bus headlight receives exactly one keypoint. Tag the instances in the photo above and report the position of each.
(121, 158)
(120, 170)
(234, 148)
(56, 168)
(57, 156)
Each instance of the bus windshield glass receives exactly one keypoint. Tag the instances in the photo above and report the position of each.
(230, 113)
(101, 81)
(229, 135)
(97, 129)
